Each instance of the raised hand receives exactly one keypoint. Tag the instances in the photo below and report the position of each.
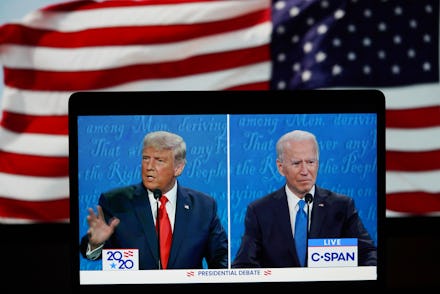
(99, 231)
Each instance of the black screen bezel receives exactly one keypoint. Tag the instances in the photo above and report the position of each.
(227, 102)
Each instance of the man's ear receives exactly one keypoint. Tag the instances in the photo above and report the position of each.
(179, 169)
(280, 167)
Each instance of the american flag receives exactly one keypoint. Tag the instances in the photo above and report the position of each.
(215, 45)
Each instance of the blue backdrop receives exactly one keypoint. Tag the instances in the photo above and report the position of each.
(230, 157)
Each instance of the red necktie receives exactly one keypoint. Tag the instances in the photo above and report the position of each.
(165, 233)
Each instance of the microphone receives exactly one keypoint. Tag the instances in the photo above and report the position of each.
(309, 199)
(157, 193)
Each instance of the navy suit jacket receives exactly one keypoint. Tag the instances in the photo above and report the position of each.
(197, 235)
(268, 238)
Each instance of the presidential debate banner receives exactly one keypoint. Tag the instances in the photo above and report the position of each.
(230, 157)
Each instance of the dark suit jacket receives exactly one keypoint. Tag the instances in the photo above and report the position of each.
(268, 239)
(197, 233)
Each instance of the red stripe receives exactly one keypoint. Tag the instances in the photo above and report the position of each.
(85, 80)
(133, 35)
(21, 123)
(252, 87)
(88, 5)
(413, 118)
(412, 161)
(35, 211)
(417, 203)
(31, 165)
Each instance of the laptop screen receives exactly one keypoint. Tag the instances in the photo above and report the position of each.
(231, 157)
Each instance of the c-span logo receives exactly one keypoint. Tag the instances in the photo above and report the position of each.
(332, 252)
(120, 259)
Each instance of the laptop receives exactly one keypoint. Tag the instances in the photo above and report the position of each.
(231, 138)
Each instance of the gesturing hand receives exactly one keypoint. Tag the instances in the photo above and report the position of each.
(99, 231)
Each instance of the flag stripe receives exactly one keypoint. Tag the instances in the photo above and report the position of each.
(31, 165)
(250, 87)
(34, 144)
(416, 96)
(87, 4)
(29, 102)
(35, 189)
(427, 181)
(254, 76)
(218, 80)
(395, 213)
(421, 139)
(19, 211)
(141, 13)
(56, 125)
(413, 118)
(413, 203)
(97, 58)
(152, 34)
(413, 161)
(84, 80)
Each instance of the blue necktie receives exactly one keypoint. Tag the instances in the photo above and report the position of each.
(301, 232)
